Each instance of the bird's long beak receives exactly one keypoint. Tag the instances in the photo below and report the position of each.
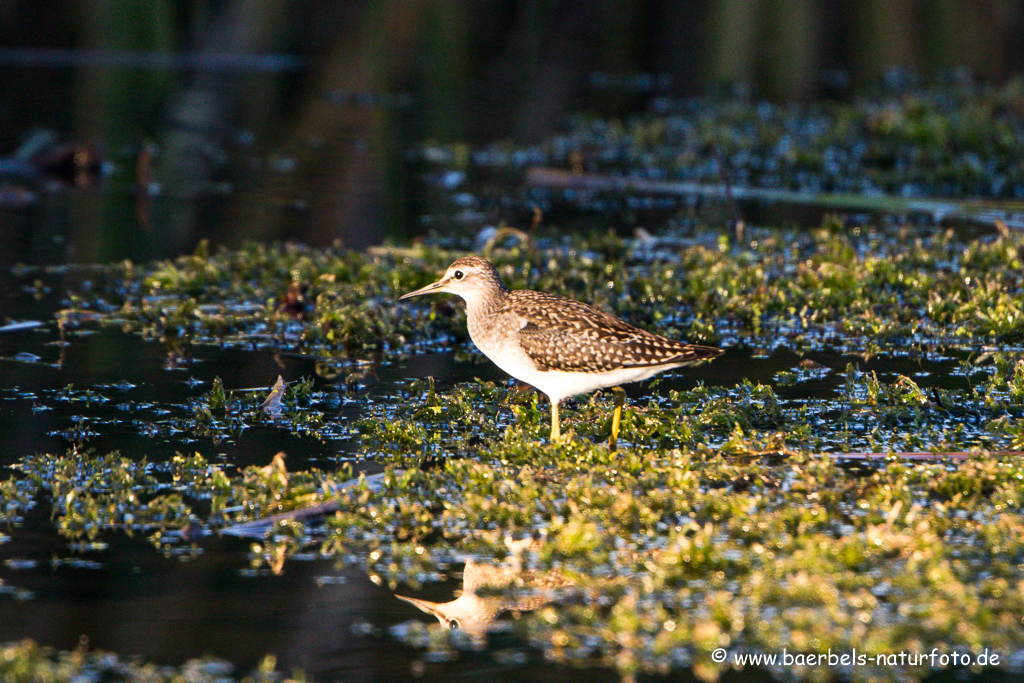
(434, 287)
(425, 605)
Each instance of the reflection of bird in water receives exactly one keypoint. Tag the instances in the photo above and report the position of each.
(488, 590)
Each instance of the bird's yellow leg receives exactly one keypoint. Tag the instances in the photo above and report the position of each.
(556, 433)
(620, 399)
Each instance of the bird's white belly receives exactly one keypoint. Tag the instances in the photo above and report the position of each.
(558, 384)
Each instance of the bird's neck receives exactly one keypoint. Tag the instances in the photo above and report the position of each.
(485, 304)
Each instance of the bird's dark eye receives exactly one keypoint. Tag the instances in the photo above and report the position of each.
(458, 275)
(453, 624)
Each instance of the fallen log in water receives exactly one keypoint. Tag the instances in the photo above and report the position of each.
(1000, 214)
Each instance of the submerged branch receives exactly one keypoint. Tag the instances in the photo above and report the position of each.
(989, 212)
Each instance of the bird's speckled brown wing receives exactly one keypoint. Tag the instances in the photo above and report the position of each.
(562, 334)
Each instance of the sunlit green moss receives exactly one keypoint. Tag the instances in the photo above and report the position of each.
(725, 519)
(715, 515)
(27, 662)
(907, 291)
(718, 546)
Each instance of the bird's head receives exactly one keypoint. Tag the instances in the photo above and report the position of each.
(469, 612)
(470, 277)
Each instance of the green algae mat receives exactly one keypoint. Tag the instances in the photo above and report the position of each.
(838, 497)
(753, 519)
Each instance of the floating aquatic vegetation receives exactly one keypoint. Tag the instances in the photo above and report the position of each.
(672, 551)
(302, 407)
(27, 661)
(948, 143)
(673, 554)
(728, 519)
(721, 522)
(880, 289)
(16, 496)
(93, 494)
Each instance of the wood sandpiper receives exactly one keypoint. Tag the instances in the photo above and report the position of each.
(560, 346)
